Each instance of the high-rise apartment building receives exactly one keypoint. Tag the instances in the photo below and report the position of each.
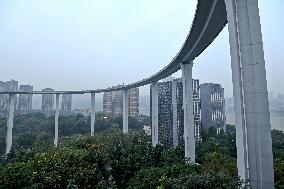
(107, 103)
(212, 106)
(25, 100)
(144, 105)
(47, 100)
(4, 98)
(134, 102)
(66, 102)
(117, 103)
(170, 108)
(113, 103)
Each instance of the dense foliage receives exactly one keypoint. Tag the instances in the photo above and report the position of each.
(278, 154)
(111, 159)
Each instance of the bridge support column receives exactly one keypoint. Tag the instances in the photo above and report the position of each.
(253, 129)
(125, 111)
(10, 122)
(93, 113)
(56, 120)
(154, 113)
(174, 105)
(189, 140)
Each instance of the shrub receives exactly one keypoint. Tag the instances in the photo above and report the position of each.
(17, 175)
(211, 180)
(150, 177)
(279, 173)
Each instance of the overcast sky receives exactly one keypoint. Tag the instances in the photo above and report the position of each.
(89, 44)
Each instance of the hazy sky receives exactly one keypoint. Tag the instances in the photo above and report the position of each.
(89, 44)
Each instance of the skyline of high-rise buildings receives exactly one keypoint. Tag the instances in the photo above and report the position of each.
(113, 102)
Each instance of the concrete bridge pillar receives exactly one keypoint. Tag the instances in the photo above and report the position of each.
(56, 120)
(10, 123)
(253, 129)
(93, 113)
(189, 140)
(175, 121)
(125, 111)
(154, 113)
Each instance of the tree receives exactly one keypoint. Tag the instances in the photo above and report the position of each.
(279, 173)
